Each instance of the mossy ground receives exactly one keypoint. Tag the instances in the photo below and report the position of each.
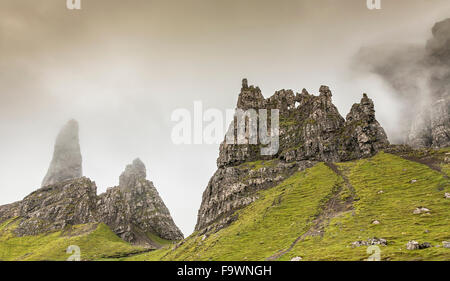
(96, 242)
(287, 211)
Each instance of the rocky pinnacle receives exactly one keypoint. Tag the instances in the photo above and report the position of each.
(311, 130)
(67, 161)
(132, 174)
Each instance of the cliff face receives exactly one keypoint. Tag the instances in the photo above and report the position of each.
(133, 210)
(311, 129)
(431, 127)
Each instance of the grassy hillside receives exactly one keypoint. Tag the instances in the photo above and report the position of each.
(317, 213)
(96, 241)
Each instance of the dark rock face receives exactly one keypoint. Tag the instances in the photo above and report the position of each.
(431, 127)
(232, 188)
(311, 129)
(364, 135)
(67, 162)
(133, 210)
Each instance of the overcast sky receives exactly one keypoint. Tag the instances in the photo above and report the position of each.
(121, 67)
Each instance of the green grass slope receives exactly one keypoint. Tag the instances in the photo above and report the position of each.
(316, 214)
(96, 242)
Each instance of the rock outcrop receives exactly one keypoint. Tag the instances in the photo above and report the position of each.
(67, 161)
(133, 210)
(57, 206)
(310, 130)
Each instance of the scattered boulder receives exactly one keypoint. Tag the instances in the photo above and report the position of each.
(296, 259)
(370, 242)
(447, 195)
(413, 181)
(447, 159)
(446, 244)
(421, 210)
(414, 245)
(375, 222)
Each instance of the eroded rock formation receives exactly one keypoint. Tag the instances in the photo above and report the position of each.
(67, 161)
(133, 210)
(311, 129)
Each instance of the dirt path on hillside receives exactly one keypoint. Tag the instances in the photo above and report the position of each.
(428, 161)
(334, 207)
(126, 255)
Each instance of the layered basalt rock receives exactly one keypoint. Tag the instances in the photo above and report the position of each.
(133, 210)
(311, 129)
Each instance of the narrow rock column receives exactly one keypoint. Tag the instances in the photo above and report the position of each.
(67, 161)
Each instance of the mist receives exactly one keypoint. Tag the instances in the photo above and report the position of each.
(419, 74)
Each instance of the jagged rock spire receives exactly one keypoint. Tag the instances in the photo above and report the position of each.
(310, 129)
(134, 209)
(133, 173)
(67, 161)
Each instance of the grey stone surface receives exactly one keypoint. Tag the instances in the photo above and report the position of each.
(67, 161)
(369, 242)
(134, 209)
